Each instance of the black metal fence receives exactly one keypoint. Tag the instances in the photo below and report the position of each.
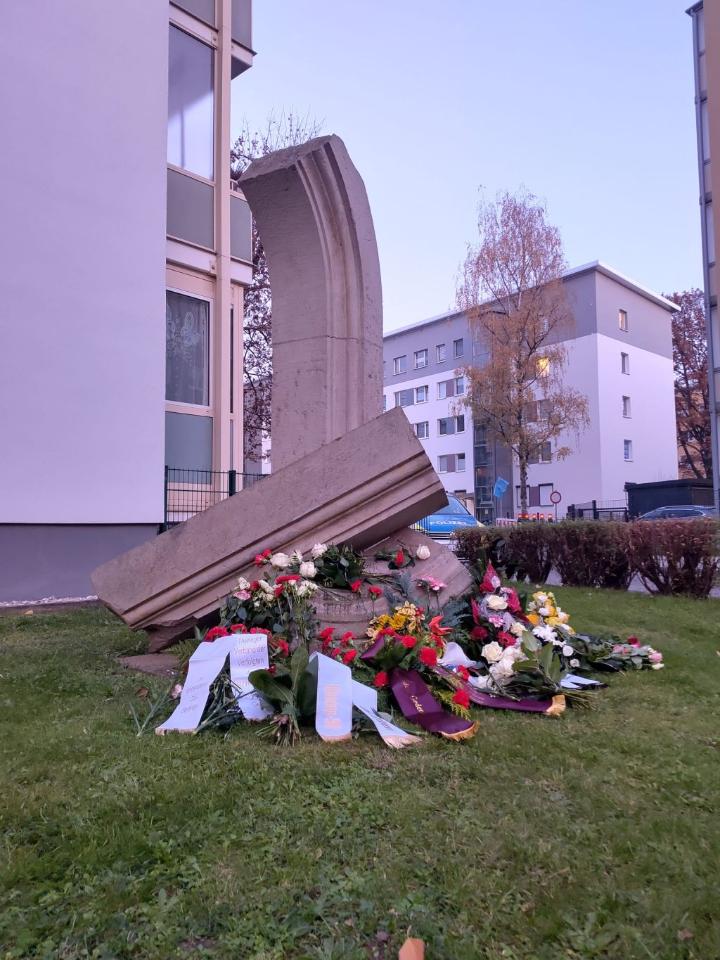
(188, 492)
(598, 510)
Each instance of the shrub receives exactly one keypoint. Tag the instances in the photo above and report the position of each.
(478, 545)
(523, 551)
(676, 556)
(592, 553)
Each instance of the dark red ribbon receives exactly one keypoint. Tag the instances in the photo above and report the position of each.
(419, 706)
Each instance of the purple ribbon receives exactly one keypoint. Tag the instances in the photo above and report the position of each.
(419, 706)
(490, 700)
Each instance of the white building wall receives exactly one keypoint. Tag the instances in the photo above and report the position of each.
(83, 100)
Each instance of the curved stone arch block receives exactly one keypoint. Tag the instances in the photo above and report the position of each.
(314, 218)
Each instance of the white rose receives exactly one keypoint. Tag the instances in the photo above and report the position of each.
(567, 650)
(307, 569)
(243, 584)
(547, 634)
(540, 597)
(656, 666)
(318, 550)
(280, 560)
(517, 629)
(492, 652)
(302, 588)
(264, 585)
(501, 670)
(495, 602)
(422, 552)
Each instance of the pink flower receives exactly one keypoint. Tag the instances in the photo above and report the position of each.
(655, 657)
(375, 591)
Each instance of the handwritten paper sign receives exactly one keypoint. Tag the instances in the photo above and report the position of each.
(249, 653)
(333, 711)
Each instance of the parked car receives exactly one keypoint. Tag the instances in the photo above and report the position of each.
(442, 524)
(688, 511)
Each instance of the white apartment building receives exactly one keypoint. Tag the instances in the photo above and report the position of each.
(125, 253)
(620, 357)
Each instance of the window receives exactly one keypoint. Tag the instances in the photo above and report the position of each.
(451, 463)
(710, 232)
(421, 359)
(459, 386)
(625, 362)
(543, 366)
(545, 490)
(404, 398)
(458, 347)
(187, 349)
(421, 394)
(626, 407)
(422, 430)
(543, 409)
(448, 425)
(445, 389)
(627, 449)
(622, 320)
(542, 453)
(399, 365)
(530, 411)
(441, 353)
(384, 403)
(190, 133)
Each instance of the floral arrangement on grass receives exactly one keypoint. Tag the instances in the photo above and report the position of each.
(490, 648)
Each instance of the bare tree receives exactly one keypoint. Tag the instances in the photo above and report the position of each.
(512, 292)
(284, 130)
(692, 395)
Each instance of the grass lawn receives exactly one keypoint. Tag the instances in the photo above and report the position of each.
(592, 836)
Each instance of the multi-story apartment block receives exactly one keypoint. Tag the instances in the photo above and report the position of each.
(620, 357)
(124, 256)
(706, 50)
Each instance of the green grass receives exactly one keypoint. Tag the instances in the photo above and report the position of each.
(593, 836)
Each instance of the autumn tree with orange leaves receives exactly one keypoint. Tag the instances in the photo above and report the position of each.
(512, 292)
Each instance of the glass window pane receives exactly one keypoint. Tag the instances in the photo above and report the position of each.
(190, 104)
(187, 353)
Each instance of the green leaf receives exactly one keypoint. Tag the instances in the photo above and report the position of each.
(546, 655)
(279, 695)
(298, 666)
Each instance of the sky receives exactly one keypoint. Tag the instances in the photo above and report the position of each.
(587, 104)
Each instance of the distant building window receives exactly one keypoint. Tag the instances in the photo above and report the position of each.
(404, 398)
(626, 407)
(625, 362)
(422, 430)
(710, 232)
(543, 366)
(421, 394)
(627, 449)
(459, 386)
(445, 389)
(449, 425)
(545, 490)
(543, 409)
(451, 463)
(399, 365)
(421, 359)
(458, 347)
(623, 320)
(441, 353)
(541, 454)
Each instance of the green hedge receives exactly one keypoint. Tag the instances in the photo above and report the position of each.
(670, 556)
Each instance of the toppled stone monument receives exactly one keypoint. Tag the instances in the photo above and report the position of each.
(343, 472)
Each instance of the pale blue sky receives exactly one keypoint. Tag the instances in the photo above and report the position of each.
(589, 104)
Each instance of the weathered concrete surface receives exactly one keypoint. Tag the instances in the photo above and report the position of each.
(313, 215)
(358, 489)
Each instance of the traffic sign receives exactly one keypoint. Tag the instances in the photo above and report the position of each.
(555, 497)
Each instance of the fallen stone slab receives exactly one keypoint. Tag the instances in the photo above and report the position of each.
(155, 664)
(359, 489)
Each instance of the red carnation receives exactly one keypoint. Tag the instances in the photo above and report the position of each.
(399, 558)
(461, 698)
(326, 633)
(215, 632)
(264, 630)
(238, 628)
(381, 679)
(267, 554)
(479, 633)
(255, 584)
(259, 559)
(428, 657)
(506, 639)
(347, 637)
(283, 647)
(408, 642)
(349, 656)
(375, 591)
(278, 591)
(271, 669)
(355, 586)
(288, 578)
(463, 673)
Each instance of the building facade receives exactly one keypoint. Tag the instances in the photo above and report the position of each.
(125, 252)
(620, 357)
(706, 51)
